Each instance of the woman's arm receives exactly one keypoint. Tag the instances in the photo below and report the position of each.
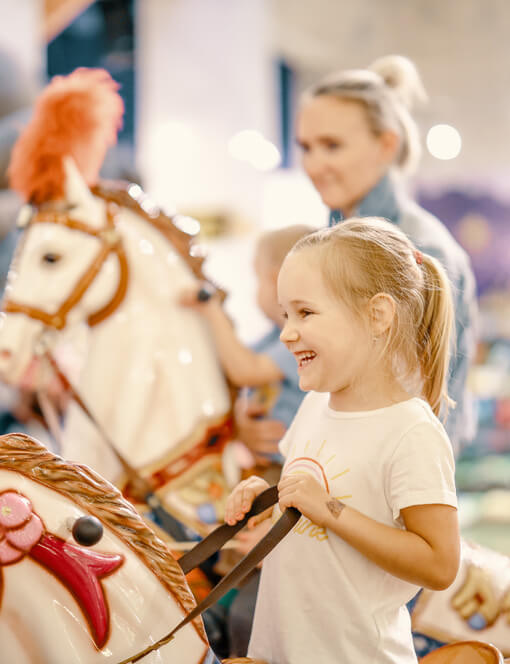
(427, 553)
(243, 367)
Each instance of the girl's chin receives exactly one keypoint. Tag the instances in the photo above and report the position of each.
(305, 384)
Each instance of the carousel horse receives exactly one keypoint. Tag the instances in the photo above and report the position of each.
(104, 258)
(83, 579)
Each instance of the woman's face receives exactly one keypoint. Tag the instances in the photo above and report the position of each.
(342, 156)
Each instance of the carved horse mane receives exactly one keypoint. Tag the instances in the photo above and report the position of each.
(172, 227)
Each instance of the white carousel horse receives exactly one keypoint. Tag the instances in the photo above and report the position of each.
(64, 601)
(111, 259)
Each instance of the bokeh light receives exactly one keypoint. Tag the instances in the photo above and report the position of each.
(444, 141)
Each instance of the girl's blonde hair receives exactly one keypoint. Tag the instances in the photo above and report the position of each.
(361, 258)
(387, 90)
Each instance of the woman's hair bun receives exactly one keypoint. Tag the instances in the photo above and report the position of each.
(401, 76)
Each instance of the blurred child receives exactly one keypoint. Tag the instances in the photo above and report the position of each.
(268, 366)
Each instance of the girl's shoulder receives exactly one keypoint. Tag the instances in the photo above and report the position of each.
(416, 412)
(420, 427)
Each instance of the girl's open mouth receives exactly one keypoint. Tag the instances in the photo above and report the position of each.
(304, 358)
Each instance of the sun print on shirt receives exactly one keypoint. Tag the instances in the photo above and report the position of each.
(324, 470)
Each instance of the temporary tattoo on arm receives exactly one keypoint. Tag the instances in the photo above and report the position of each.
(335, 507)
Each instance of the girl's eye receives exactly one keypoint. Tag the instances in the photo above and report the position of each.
(305, 312)
(333, 145)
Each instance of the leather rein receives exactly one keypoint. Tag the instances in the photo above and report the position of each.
(110, 243)
(212, 543)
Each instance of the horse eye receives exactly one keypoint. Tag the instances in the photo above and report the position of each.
(87, 530)
(51, 258)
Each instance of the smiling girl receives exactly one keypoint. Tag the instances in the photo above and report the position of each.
(367, 461)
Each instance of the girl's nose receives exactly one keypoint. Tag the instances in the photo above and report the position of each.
(288, 333)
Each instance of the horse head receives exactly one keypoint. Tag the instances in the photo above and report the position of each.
(70, 268)
(71, 598)
(53, 162)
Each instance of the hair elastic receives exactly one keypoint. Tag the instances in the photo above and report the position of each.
(419, 257)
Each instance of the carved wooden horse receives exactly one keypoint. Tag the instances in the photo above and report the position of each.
(107, 257)
(84, 580)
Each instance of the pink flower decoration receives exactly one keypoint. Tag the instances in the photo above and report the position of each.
(20, 528)
(14, 509)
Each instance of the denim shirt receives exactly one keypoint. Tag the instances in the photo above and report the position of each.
(433, 238)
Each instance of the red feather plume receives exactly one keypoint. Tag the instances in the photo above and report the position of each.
(78, 116)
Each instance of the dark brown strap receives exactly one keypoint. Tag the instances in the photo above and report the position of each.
(213, 542)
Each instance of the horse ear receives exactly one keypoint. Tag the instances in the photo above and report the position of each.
(77, 192)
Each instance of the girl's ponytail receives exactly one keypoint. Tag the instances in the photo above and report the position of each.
(434, 334)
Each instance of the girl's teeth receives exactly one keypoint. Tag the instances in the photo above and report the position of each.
(306, 359)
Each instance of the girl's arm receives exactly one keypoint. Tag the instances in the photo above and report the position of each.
(427, 553)
(243, 367)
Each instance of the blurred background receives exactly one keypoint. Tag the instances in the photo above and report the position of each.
(210, 89)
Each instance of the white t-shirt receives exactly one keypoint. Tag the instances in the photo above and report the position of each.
(319, 599)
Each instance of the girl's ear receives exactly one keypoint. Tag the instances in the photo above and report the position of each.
(382, 311)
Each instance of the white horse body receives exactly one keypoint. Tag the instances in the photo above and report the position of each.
(151, 375)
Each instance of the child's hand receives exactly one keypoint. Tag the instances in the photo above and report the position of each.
(305, 494)
(240, 500)
(261, 436)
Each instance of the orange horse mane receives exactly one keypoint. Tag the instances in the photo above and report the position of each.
(78, 116)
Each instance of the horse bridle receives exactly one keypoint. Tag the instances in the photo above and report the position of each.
(111, 243)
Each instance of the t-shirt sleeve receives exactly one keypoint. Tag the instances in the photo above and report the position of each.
(422, 469)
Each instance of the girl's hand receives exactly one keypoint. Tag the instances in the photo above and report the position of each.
(305, 494)
(240, 501)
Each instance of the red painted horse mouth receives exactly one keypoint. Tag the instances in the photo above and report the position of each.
(22, 533)
(80, 570)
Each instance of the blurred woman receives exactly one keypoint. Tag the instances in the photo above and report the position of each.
(358, 139)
